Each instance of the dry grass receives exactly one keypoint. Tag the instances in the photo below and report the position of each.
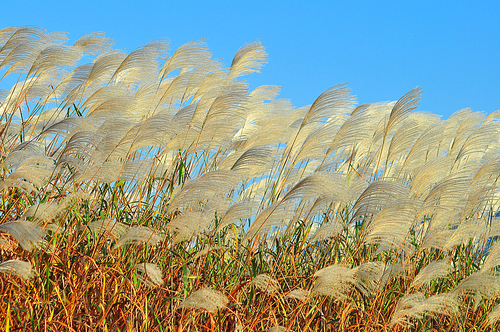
(152, 191)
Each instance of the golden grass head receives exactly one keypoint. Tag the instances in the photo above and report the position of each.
(266, 283)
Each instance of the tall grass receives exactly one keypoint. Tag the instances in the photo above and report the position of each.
(153, 191)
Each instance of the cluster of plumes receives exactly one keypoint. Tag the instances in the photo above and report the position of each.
(415, 182)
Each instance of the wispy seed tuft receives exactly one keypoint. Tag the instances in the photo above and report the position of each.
(18, 268)
(207, 299)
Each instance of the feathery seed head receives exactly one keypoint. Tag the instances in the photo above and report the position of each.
(28, 234)
(18, 268)
(437, 269)
(207, 299)
(416, 306)
(139, 234)
(107, 227)
(151, 271)
(299, 294)
(267, 284)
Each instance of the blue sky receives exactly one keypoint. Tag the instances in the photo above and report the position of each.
(382, 48)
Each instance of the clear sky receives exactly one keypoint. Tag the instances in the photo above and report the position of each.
(383, 49)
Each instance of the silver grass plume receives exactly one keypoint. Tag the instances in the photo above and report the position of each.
(48, 211)
(299, 294)
(108, 227)
(297, 140)
(111, 171)
(248, 59)
(54, 56)
(327, 230)
(39, 123)
(299, 173)
(22, 152)
(376, 196)
(493, 258)
(150, 270)
(139, 234)
(494, 315)
(24, 45)
(334, 281)
(141, 63)
(392, 225)
(479, 140)
(266, 283)
(256, 190)
(459, 127)
(278, 128)
(390, 272)
(478, 286)
(14, 38)
(437, 233)
(468, 229)
(218, 181)
(318, 140)
(189, 225)
(369, 277)
(18, 268)
(449, 191)
(398, 115)
(28, 234)
(225, 116)
(273, 215)
(258, 112)
(31, 174)
(70, 126)
(88, 78)
(207, 299)
(94, 42)
(403, 107)
(244, 209)
(195, 78)
(337, 99)
(416, 306)
(337, 280)
(408, 132)
(437, 269)
(254, 161)
(423, 149)
(42, 211)
(359, 127)
(429, 174)
(332, 186)
(187, 57)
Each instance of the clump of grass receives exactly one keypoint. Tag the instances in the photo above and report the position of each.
(155, 191)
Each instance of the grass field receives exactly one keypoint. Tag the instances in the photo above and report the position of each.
(153, 191)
